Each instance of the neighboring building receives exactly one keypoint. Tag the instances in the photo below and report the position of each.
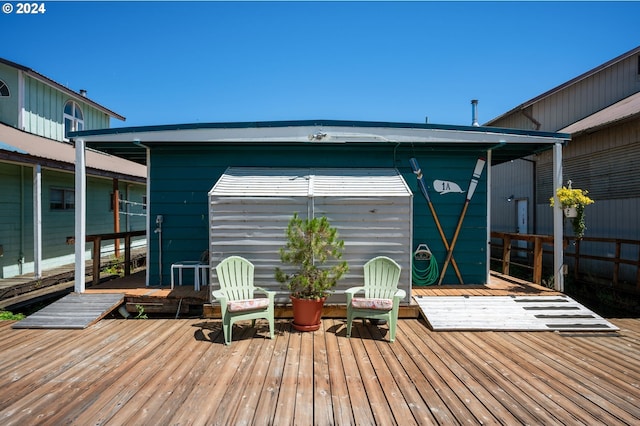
(231, 188)
(601, 111)
(37, 189)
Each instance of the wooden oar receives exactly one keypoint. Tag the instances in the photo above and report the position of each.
(418, 172)
(477, 172)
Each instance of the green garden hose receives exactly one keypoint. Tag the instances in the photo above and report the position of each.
(427, 276)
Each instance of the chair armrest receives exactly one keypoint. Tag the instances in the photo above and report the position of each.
(401, 294)
(353, 290)
(270, 294)
(221, 297)
(350, 292)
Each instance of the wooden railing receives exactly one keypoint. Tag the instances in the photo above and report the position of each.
(97, 249)
(573, 249)
(537, 240)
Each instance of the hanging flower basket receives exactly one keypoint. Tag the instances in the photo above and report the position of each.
(573, 202)
(571, 212)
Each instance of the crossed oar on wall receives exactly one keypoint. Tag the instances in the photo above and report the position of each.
(473, 184)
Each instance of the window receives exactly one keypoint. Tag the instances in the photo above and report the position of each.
(62, 199)
(73, 118)
(4, 89)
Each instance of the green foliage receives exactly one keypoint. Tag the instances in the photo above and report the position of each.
(577, 198)
(8, 316)
(310, 244)
(141, 314)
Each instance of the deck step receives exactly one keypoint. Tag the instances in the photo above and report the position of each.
(74, 311)
(510, 313)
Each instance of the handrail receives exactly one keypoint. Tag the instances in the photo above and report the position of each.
(540, 240)
(97, 241)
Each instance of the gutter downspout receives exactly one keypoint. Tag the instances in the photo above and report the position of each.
(530, 118)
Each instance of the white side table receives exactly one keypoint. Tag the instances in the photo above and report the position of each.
(198, 269)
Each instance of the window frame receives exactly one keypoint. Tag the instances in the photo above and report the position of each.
(63, 204)
(75, 118)
(4, 86)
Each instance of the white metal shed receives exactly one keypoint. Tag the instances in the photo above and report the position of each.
(249, 209)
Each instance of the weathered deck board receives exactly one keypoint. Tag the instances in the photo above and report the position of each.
(179, 371)
(510, 313)
(75, 310)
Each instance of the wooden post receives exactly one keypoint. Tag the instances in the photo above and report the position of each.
(616, 264)
(506, 253)
(127, 254)
(576, 262)
(537, 260)
(638, 271)
(116, 216)
(96, 260)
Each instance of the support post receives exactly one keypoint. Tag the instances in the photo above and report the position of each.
(116, 216)
(37, 221)
(558, 254)
(80, 216)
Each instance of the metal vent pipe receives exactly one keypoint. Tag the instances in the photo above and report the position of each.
(474, 112)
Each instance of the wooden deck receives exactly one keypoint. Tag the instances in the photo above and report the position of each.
(180, 372)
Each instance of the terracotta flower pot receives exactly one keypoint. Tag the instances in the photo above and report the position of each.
(306, 313)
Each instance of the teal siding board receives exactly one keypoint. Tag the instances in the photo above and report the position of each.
(15, 208)
(182, 174)
(9, 105)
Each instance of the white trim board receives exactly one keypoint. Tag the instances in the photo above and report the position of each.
(510, 313)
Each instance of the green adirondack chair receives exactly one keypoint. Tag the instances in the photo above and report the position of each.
(382, 297)
(236, 296)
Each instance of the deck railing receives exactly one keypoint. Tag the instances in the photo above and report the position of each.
(620, 252)
(96, 251)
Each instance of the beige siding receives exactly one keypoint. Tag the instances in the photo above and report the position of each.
(515, 178)
(581, 99)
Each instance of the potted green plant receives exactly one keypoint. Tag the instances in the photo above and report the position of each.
(573, 201)
(311, 243)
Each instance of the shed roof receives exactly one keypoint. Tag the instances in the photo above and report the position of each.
(625, 109)
(310, 182)
(506, 144)
(23, 147)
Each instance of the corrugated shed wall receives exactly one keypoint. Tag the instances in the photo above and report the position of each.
(371, 209)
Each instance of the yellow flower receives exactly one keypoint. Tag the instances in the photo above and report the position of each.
(572, 197)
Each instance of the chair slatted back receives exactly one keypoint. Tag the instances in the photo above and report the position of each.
(381, 277)
(235, 275)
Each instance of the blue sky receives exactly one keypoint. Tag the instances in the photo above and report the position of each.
(187, 62)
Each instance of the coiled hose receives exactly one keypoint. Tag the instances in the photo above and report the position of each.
(428, 275)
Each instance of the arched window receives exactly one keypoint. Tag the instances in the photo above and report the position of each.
(4, 89)
(73, 118)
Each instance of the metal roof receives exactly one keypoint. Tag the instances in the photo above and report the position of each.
(23, 147)
(569, 83)
(46, 80)
(506, 144)
(310, 182)
(620, 111)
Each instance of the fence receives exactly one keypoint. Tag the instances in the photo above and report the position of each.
(622, 255)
